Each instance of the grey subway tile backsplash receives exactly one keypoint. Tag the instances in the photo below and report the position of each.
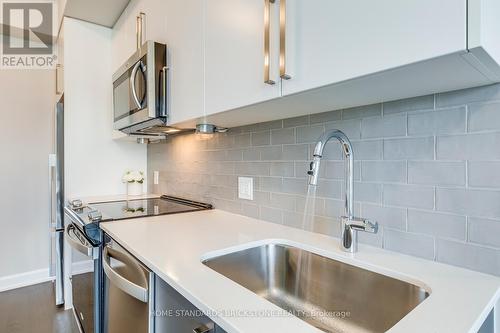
(250, 210)
(384, 127)
(484, 231)
(325, 117)
(368, 150)
(426, 168)
(367, 192)
(484, 174)
(390, 217)
(481, 203)
(418, 245)
(365, 111)
(410, 104)
(436, 173)
(283, 169)
(351, 128)
(261, 138)
(296, 152)
(283, 136)
(469, 256)
(484, 117)
(297, 121)
(271, 214)
(409, 196)
(482, 146)
(409, 149)
(270, 153)
(460, 97)
(437, 224)
(309, 134)
(448, 121)
(384, 171)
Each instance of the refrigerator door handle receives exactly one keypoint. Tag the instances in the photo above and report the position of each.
(52, 222)
(59, 244)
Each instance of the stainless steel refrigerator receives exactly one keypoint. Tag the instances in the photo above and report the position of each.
(56, 224)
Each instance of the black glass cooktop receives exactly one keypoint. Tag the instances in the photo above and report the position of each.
(119, 210)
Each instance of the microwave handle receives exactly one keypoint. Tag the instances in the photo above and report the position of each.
(133, 75)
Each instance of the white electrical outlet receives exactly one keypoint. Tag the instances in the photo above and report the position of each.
(245, 188)
(156, 177)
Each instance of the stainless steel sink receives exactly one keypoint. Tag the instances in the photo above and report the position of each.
(328, 294)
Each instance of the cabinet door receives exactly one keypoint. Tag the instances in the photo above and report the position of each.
(176, 314)
(234, 54)
(329, 41)
(183, 25)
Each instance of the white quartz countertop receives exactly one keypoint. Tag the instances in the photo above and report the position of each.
(173, 246)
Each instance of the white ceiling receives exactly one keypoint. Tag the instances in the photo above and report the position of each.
(105, 13)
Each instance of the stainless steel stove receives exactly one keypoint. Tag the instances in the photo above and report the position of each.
(85, 236)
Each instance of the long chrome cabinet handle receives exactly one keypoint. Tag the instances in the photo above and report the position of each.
(132, 289)
(283, 73)
(164, 72)
(267, 41)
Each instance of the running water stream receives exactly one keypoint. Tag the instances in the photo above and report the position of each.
(303, 265)
(309, 209)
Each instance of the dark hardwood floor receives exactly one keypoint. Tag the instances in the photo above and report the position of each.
(32, 310)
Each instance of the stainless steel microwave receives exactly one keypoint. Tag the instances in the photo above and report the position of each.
(140, 91)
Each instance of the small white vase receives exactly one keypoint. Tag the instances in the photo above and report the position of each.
(134, 189)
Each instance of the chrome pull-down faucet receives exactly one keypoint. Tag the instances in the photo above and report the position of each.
(349, 224)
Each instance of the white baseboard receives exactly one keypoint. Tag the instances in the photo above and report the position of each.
(15, 281)
(24, 279)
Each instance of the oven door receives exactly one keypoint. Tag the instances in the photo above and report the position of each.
(130, 95)
(83, 283)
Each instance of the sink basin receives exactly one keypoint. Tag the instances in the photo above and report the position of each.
(328, 294)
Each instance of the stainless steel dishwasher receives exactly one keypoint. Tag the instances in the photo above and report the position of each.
(128, 292)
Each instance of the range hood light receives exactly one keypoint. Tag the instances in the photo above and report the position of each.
(171, 130)
(210, 129)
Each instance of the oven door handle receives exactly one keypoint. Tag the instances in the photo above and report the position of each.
(133, 75)
(128, 287)
(76, 244)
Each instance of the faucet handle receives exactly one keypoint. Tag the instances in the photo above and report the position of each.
(371, 226)
(361, 224)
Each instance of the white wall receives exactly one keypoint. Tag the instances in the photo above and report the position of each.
(26, 115)
(94, 161)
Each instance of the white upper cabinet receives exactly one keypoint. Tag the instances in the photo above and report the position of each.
(183, 26)
(329, 41)
(322, 55)
(235, 54)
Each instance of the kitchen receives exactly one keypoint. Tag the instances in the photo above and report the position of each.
(242, 166)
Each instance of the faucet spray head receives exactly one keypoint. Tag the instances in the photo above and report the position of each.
(314, 171)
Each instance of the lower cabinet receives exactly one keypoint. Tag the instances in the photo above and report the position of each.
(174, 313)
